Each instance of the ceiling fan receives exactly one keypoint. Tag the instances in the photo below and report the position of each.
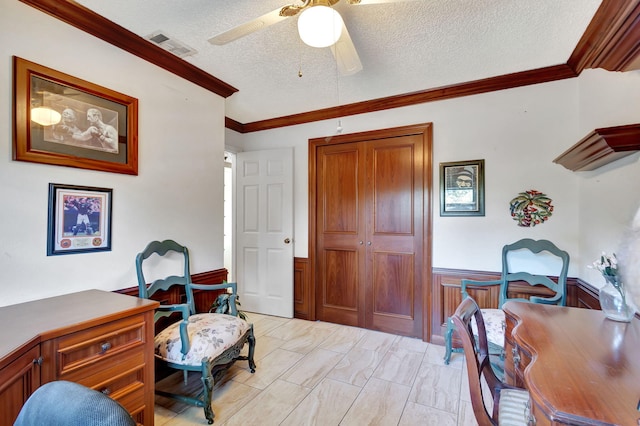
(342, 47)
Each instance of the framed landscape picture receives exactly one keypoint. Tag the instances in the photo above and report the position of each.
(63, 120)
(462, 188)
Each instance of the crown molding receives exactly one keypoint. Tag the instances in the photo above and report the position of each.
(611, 41)
(507, 81)
(90, 22)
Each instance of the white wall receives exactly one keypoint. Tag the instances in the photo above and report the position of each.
(177, 194)
(518, 132)
(609, 196)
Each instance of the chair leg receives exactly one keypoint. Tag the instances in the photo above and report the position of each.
(252, 347)
(207, 391)
(447, 341)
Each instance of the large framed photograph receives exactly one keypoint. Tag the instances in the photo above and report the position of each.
(79, 219)
(462, 188)
(66, 121)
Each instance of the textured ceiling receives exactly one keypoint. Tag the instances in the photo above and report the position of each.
(404, 46)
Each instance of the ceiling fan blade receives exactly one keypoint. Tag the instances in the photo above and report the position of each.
(249, 27)
(344, 51)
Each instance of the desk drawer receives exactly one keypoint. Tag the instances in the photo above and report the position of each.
(121, 377)
(86, 348)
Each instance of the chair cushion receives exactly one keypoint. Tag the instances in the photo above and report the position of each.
(514, 407)
(210, 335)
(494, 324)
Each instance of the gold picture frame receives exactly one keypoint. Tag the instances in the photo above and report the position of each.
(63, 120)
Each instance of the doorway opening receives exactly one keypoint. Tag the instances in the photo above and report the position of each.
(229, 159)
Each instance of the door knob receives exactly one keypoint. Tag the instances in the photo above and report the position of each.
(287, 240)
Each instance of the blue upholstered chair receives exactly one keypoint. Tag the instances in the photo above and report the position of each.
(207, 343)
(63, 403)
(545, 253)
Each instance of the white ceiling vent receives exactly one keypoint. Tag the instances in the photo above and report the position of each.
(174, 46)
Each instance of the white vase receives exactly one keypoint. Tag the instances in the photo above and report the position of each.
(614, 305)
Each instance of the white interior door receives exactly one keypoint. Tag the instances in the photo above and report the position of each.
(264, 231)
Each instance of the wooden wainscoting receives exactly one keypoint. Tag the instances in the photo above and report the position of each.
(202, 299)
(446, 295)
(303, 308)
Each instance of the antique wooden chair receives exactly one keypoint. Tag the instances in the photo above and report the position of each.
(208, 343)
(544, 252)
(510, 405)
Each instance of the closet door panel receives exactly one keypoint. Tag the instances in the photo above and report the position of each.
(394, 266)
(340, 234)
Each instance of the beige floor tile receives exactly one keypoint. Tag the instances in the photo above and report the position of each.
(291, 329)
(263, 324)
(356, 367)
(437, 386)
(379, 403)
(230, 398)
(377, 341)
(399, 366)
(435, 355)
(271, 406)
(264, 346)
(308, 341)
(310, 370)
(410, 344)
(317, 373)
(269, 369)
(416, 414)
(465, 415)
(343, 339)
(325, 405)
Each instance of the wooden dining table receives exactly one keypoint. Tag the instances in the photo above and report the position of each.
(579, 367)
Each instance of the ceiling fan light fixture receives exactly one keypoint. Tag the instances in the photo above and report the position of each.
(320, 26)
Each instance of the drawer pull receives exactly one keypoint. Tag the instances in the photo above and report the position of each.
(105, 347)
(38, 361)
(106, 391)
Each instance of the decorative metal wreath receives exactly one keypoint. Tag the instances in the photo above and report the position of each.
(531, 208)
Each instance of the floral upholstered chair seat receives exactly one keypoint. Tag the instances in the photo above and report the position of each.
(210, 335)
(494, 325)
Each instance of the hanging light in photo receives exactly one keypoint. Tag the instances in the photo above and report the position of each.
(45, 116)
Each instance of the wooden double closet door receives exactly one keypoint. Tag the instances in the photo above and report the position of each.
(371, 230)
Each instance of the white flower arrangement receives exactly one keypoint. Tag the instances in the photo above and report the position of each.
(608, 267)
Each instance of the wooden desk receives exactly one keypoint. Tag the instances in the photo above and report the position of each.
(580, 368)
(100, 339)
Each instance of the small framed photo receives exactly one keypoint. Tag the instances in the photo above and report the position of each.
(462, 188)
(63, 120)
(79, 219)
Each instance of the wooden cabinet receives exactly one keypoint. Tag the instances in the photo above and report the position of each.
(99, 339)
(370, 227)
(17, 381)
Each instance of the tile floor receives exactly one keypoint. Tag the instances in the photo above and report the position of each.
(317, 373)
